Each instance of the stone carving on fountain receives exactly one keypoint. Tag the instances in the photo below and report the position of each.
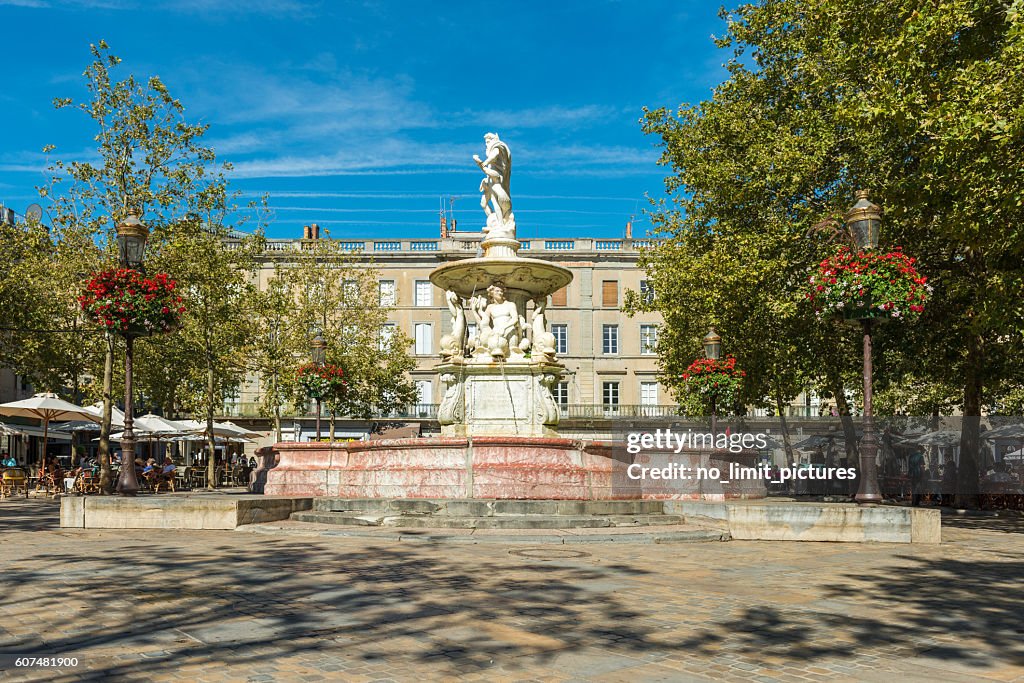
(499, 381)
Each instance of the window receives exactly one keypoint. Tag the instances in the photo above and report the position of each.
(610, 339)
(387, 331)
(561, 393)
(561, 332)
(559, 298)
(471, 330)
(648, 393)
(610, 396)
(350, 292)
(610, 293)
(424, 392)
(646, 292)
(424, 336)
(387, 292)
(648, 339)
(424, 294)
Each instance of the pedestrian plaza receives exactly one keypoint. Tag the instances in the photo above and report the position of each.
(305, 605)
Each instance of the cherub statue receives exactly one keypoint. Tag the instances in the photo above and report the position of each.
(543, 341)
(453, 345)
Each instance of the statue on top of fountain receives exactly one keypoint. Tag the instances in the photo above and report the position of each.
(501, 330)
(495, 186)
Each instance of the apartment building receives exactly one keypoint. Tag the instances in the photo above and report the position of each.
(611, 358)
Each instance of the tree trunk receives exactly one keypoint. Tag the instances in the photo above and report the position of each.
(786, 441)
(277, 412)
(967, 493)
(849, 430)
(331, 437)
(211, 441)
(106, 476)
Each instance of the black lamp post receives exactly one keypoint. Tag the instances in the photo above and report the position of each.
(864, 220)
(131, 247)
(713, 351)
(318, 350)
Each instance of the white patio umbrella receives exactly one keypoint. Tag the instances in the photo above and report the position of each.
(96, 410)
(46, 407)
(8, 430)
(159, 428)
(1013, 431)
(225, 429)
(943, 437)
(241, 430)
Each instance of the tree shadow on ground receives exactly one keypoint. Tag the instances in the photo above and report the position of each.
(1009, 523)
(148, 604)
(29, 514)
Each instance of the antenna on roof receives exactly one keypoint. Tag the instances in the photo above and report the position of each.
(444, 219)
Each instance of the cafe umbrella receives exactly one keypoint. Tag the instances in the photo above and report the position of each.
(48, 408)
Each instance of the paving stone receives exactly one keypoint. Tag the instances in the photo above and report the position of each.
(228, 606)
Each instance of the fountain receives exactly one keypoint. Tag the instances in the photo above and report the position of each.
(498, 417)
(499, 381)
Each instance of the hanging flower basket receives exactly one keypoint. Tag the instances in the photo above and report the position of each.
(718, 379)
(858, 285)
(325, 382)
(127, 302)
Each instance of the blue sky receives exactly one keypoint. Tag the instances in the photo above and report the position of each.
(360, 116)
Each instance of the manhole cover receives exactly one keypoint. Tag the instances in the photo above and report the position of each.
(549, 553)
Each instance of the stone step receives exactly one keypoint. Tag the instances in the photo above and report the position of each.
(487, 507)
(532, 521)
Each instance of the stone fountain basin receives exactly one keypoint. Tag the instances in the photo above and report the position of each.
(525, 276)
(479, 467)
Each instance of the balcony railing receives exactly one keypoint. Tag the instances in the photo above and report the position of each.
(428, 411)
(615, 412)
(466, 243)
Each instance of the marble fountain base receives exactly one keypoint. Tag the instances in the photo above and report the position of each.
(480, 467)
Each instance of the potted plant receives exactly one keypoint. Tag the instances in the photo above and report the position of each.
(856, 285)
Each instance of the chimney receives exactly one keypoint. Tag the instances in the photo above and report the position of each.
(306, 232)
(629, 229)
(454, 226)
(316, 231)
(444, 225)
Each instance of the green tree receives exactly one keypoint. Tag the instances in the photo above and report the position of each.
(278, 346)
(338, 297)
(919, 102)
(150, 160)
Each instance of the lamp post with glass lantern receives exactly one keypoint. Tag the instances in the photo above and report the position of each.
(713, 351)
(864, 220)
(318, 351)
(131, 248)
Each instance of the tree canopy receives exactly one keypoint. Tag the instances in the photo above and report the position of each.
(919, 102)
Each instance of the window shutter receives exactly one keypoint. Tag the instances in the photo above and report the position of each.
(610, 293)
(559, 297)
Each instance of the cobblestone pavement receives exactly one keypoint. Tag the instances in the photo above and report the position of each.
(213, 606)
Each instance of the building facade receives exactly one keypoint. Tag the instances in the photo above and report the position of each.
(610, 357)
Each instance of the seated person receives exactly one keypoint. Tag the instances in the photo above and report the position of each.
(6, 460)
(150, 466)
(169, 466)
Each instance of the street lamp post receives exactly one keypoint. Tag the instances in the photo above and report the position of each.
(864, 220)
(318, 350)
(713, 351)
(131, 245)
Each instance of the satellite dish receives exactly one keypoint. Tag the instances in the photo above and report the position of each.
(34, 213)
